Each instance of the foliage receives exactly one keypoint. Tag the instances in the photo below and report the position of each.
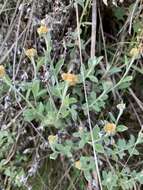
(65, 109)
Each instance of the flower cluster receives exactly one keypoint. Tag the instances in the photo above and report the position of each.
(30, 53)
(78, 164)
(134, 52)
(52, 139)
(2, 71)
(110, 128)
(42, 30)
(72, 79)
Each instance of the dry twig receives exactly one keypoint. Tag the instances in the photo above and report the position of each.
(94, 26)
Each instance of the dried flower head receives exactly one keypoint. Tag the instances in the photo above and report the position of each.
(2, 71)
(78, 164)
(31, 53)
(52, 139)
(110, 128)
(81, 129)
(72, 79)
(121, 106)
(42, 30)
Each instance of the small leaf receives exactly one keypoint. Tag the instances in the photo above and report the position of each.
(91, 65)
(74, 114)
(87, 175)
(29, 115)
(53, 156)
(93, 79)
(59, 66)
(42, 93)
(121, 128)
(119, 13)
(124, 85)
(112, 117)
(40, 108)
(114, 70)
(96, 131)
(35, 88)
(81, 3)
(40, 62)
(127, 79)
(135, 152)
(99, 148)
(139, 177)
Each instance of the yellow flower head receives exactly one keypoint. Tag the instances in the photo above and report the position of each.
(78, 165)
(110, 128)
(31, 53)
(72, 79)
(52, 139)
(2, 71)
(42, 30)
(134, 52)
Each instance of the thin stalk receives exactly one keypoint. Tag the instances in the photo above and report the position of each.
(94, 28)
(63, 98)
(85, 94)
(34, 67)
